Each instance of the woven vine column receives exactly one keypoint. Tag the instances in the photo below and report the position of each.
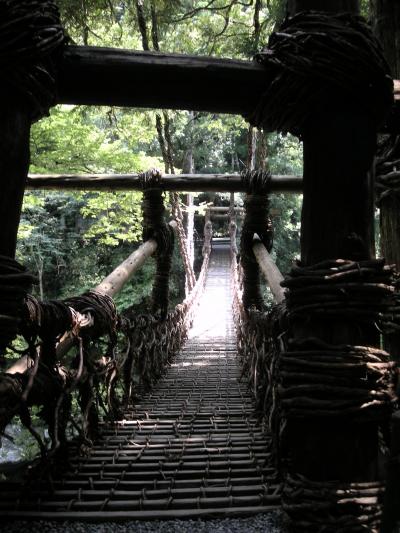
(256, 220)
(335, 386)
(155, 227)
(30, 39)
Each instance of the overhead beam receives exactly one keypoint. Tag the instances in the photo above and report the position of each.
(171, 182)
(91, 75)
(109, 76)
(295, 6)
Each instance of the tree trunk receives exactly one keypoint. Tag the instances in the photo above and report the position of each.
(142, 24)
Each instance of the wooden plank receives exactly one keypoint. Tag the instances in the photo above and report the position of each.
(170, 182)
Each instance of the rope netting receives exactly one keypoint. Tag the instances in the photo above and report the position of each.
(81, 348)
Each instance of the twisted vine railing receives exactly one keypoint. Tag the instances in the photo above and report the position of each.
(113, 359)
(309, 378)
(153, 343)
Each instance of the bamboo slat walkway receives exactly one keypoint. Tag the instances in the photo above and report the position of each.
(191, 447)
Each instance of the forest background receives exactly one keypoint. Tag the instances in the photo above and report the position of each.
(71, 240)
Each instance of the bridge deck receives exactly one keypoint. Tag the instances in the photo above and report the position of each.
(190, 447)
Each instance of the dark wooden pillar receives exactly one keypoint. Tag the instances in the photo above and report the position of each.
(335, 6)
(15, 125)
(386, 23)
(386, 17)
(337, 223)
(337, 215)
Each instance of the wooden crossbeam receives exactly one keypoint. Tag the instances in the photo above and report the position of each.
(171, 182)
(110, 76)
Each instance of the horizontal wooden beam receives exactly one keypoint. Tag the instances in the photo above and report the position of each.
(223, 209)
(111, 76)
(171, 182)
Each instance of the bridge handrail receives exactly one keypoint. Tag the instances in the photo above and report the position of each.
(268, 267)
(29, 373)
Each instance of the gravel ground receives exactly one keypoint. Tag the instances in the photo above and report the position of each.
(262, 523)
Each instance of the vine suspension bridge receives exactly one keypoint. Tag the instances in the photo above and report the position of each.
(297, 411)
(193, 446)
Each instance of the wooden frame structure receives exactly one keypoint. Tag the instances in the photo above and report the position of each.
(339, 146)
(108, 76)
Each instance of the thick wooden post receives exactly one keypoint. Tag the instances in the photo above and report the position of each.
(337, 222)
(15, 125)
(335, 6)
(386, 16)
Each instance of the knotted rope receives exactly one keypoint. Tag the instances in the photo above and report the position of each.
(103, 311)
(155, 227)
(315, 59)
(30, 38)
(256, 220)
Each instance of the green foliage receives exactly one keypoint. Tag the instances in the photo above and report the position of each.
(115, 217)
(89, 139)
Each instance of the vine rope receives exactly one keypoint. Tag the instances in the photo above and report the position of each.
(256, 220)
(317, 58)
(155, 227)
(31, 38)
